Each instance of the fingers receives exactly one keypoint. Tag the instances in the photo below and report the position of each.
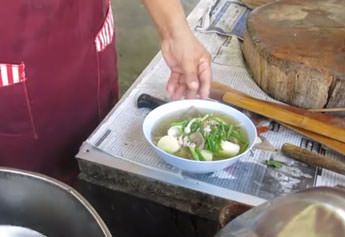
(190, 69)
(190, 78)
(205, 76)
(173, 82)
(188, 83)
(176, 87)
(180, 91)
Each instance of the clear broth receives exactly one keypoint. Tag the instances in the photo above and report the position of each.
(164, 124)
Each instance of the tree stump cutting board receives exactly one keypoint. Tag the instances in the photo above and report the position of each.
(296, 51)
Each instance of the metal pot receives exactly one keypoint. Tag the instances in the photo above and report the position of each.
(316, 212)
(34, 205)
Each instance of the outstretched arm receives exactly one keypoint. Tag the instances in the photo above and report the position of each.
(188, 60)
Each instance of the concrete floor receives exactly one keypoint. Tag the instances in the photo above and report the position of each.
(137, 39)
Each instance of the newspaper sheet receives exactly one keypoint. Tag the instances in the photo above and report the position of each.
(216, 19)
(120, 135)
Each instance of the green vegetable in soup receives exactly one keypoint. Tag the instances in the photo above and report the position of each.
(207, 155)
(202, 138)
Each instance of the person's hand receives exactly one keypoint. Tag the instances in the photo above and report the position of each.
(190, 66)
(187, 58)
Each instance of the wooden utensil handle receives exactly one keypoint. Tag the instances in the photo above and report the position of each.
(329, 142)
(313, 158)
(219, 89)
(289, 117)
(327, 110)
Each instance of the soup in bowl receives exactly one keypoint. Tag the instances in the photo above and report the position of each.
(199, 136)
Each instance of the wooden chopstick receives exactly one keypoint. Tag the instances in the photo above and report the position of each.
(218, 90)
(276, 112)
(329, 142)
(327, 110)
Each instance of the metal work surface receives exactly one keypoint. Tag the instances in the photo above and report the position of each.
(117, 156)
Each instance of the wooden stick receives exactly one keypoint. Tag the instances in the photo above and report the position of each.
(330, 143)
(270, 110)
(327, 110)
(313, 158)
(218, 90)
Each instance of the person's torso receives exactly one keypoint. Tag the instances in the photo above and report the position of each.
(67, 84)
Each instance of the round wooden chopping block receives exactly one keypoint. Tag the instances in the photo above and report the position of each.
(296, 51)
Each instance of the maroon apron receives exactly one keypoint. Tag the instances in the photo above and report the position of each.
(58, 79)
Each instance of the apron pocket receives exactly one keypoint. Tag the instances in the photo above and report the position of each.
(105, 35)
(15, 108)
(107, 88)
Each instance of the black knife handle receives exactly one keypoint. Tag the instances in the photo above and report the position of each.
(148, 101)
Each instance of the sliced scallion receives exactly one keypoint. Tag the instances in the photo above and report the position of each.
(194, 154)
(238, 136)
(228, 134)
(181, 123)
(200, 156)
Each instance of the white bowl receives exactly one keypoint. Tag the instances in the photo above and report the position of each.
(194, 166)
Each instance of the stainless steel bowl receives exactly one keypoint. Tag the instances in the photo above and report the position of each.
(30, 202)
(315, 212)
